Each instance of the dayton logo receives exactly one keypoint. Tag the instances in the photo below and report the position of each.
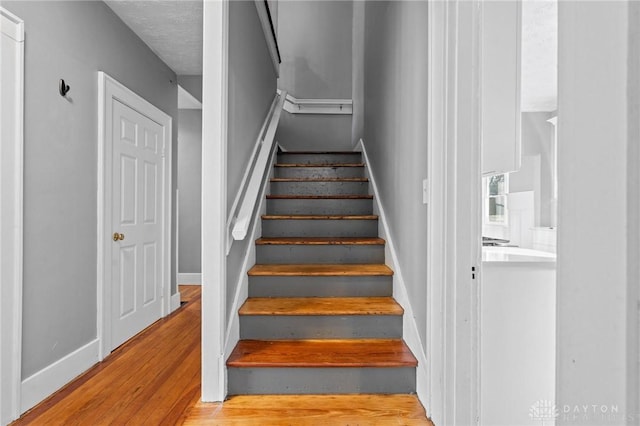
(543, 410)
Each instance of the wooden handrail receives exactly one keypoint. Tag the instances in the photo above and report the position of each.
(265, 143)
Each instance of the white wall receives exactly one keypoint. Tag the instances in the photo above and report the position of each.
(536, 172)
(518, 341)
(190, 187)
(315, 45)
(597, 332)
(71, 40)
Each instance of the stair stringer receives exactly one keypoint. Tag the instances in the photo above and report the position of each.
(409, 327)
(232, 332)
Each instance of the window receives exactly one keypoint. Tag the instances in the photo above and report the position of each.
(496, 189)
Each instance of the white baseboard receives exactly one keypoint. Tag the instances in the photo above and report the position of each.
(175, 302)
(194, 278)
(409, 327)
(48, 380)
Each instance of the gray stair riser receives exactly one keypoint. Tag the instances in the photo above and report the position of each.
(332, 206)
(302, 380)
(328, 253)
(255, 381)
(319, 172)
(320, 228)
(346, 158)
(304, 286)
(319, 188)
(272, 327)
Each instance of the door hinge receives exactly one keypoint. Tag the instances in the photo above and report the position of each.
(473, 272)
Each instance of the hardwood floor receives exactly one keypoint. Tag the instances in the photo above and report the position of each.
(303, 410)
(151, 379)
(154, 379)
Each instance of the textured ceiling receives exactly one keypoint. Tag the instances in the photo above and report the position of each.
(539, 55)
(171, 28)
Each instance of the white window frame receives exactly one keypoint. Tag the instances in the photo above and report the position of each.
(486, 197)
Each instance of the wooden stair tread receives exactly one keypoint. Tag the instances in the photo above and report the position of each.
(306, 410)
(319, 241)
(332, 165)
(356, 179)
(321, 152)
(316, 353)
(319, 197)
(320, 306)
(319, 217)
(319, 270)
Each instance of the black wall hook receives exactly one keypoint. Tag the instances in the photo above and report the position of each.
(64, 88)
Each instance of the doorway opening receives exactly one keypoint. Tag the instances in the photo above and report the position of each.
(519, 198)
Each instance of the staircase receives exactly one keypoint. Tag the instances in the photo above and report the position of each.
(320, 317)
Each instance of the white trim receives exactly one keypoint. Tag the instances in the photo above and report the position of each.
(454, 213)
(176, 266)
(11, 225)
(436, 208)
(190, 278)
(233, 324)
(243, 182)
(242, 220)
(214, 196)
(272, 43)
(109, 89)
(410, 331)
(51, 378)
(11, 25)
(175, 301)
(463, 195)
(294, 105)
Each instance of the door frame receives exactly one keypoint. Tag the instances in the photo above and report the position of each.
(110, 89)
(215, 60)
(11, 222)
(453, 296)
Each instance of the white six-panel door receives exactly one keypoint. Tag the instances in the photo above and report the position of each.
(138, 145)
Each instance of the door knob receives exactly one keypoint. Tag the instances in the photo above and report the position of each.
(118, 237)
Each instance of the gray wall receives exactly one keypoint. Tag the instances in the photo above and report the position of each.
(315, 44)
(190, 187)
(357, 79)
(395, 131)
(71, 40)
(192, 84)
(252, 88)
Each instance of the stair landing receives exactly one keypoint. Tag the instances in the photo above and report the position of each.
(304, 410)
